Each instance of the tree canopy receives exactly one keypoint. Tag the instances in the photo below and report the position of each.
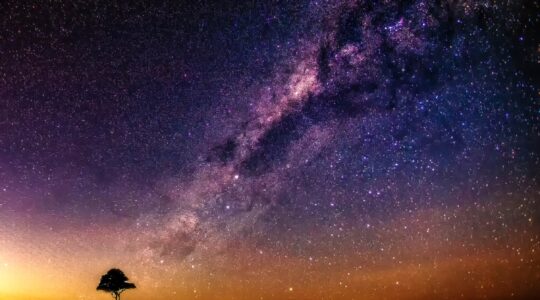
(114, 282)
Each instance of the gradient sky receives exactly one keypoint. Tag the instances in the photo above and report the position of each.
(270, 149)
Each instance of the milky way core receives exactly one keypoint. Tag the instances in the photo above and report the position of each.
(270, 149)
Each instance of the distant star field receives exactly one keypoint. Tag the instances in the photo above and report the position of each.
(270, 150)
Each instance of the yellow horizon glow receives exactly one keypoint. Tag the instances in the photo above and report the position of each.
(66, 264)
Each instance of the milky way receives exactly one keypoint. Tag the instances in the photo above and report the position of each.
(283, 150)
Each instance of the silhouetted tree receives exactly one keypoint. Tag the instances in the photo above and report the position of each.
(115, 282)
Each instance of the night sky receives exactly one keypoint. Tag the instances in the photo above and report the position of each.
(270, 149)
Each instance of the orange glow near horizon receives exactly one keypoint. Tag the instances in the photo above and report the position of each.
(67, 264)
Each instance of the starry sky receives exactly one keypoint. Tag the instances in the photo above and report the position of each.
(317, 149)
